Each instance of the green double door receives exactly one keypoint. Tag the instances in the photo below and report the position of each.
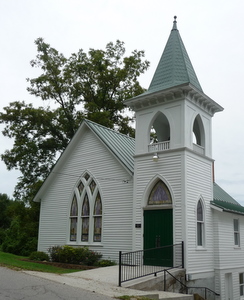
(158, 232)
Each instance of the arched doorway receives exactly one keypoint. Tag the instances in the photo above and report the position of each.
(158, 227)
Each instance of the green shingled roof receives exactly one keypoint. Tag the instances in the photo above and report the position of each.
(121, 145)
(174, 67)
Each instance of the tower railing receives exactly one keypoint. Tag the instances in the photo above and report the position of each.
(198, 148)
(161, 146)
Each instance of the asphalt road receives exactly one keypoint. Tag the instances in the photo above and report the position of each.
(21, 286)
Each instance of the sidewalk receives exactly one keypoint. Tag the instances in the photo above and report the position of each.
(103, 281)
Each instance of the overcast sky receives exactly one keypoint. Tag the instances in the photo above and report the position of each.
(212, 31)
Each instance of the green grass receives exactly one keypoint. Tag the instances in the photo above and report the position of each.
(16, 262)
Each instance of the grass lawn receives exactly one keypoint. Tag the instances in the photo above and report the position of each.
(16, 262)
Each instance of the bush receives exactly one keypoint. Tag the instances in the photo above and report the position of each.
(39, 256)
(106, 263)
(71, 255)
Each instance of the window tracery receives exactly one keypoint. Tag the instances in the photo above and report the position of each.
(86, 212)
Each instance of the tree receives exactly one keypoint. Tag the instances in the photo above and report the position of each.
(92, 86)
(21, 235)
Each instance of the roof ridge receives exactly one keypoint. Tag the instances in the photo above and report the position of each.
(106, 128)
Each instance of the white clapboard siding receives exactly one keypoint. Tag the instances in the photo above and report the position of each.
(198, 185)
(229, 255)
(168, 168)
(112, 178)
(220, 282)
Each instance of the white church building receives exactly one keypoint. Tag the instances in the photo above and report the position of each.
(114, 193)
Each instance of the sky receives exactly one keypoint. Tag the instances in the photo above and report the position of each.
(212, 32)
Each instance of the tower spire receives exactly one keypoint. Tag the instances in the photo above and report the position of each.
(175, 23)
(174, 67)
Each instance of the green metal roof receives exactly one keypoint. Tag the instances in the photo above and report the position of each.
(220, 194)
(121, 145)
(174, 67)
(224, 201)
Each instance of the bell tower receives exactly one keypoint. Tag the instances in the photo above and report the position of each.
(174, 149)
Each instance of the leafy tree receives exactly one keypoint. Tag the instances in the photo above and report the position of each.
(21, 236)
(5, 220)
(5, 202)
(92, 86)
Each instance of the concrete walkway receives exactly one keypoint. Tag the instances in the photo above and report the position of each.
(104, 281)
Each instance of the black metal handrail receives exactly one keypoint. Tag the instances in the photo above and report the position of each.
(137, 264)
(187, 288)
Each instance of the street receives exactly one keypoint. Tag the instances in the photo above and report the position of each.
(21, 286)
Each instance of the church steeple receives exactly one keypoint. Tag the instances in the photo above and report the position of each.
(174, 67)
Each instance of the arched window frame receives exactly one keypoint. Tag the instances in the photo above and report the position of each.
(198, 132)
(200, 224)
(86, 193)
(159, 129)
(166, 195)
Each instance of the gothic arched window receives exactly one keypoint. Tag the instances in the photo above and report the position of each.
(159, 194)
(200, 224)
(86, 212)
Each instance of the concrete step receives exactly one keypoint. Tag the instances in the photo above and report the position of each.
(154, 286)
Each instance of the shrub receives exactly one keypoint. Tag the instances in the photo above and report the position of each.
(54, 253)
(106, 263)
(71, 255)
(39, 256)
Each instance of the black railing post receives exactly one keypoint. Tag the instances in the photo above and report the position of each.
(120, 267)
(164, 280)
(182, 255)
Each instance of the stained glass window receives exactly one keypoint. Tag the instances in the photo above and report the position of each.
(81, 187)
(85, 212)
(97, 229)
(85, 219)
(85, 229)
(92, 186)
(159, 195)
(97, 219)
(73, 219)
(74, 207)
(98, 205)
(86, 176)
(73, 229)
(85, 207)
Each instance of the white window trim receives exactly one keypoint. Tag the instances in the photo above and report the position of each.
(236, 232)
(203, 246)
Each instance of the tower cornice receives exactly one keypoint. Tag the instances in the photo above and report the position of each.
(184, 91)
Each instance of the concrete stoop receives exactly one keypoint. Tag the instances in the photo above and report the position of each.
(155, 284)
